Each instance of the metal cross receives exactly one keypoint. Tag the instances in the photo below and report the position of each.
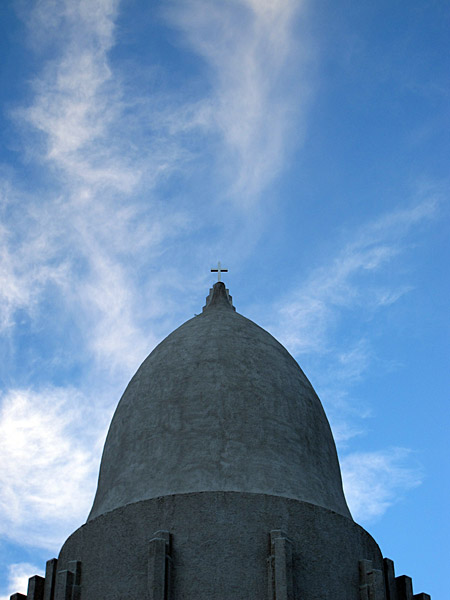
(219, 270)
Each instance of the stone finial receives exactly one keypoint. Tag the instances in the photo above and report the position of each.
(219, 297)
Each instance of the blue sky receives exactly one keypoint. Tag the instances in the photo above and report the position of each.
(305, 145)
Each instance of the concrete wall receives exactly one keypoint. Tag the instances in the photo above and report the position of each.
(220, 549)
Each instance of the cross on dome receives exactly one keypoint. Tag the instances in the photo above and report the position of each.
(219, 270)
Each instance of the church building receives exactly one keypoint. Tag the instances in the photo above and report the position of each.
(219, 480)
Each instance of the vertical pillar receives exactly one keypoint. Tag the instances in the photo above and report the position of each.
(36, 588)
(68, 582)
(75, 567)
(389, 578)
(365, 567)
(159, 566)
(50, 579)
(64, 582)
(280, 573)
(404, 587)
(371, 582)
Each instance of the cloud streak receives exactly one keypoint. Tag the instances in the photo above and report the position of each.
(353, 280)
(373, 481)
(93, 221)
(251, 49)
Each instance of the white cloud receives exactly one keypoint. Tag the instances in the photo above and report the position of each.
(88, 234)
(18, 575)
(252, 48)
(96, 228)
(373, 481)
(24, 268)
(77, 99)
(14, 288)
(308, 315)
(49, 448)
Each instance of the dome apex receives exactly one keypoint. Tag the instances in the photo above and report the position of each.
(218, 296)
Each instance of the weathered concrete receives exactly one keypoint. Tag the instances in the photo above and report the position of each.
(159, 566)
(221, 547)
(404, 587)
(280, 568)
(219, 405)
(50, 578)
(35, 588)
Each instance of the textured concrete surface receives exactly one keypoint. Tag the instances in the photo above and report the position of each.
(220, 546)
(219, 405)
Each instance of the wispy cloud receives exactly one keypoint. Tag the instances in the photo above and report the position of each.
(251, 48)
(108, 147)
(18, 575)
(373, 481)
(357, 278)
(25, 264)
(94, 228)
(71, 107)
(14, 286)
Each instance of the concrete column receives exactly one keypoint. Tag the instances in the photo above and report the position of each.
(50, 579)
(75, 567)
(159, 564)
(36, 588)
(280, 575)
(68, 582)
(404, 587)
(371, 582)
(64, 583)
(389, 578)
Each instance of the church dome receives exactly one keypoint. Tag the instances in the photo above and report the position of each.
(219, 405)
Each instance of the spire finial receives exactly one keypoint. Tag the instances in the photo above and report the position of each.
(219, 270)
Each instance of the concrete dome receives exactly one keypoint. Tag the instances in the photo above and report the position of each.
(219, 405)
